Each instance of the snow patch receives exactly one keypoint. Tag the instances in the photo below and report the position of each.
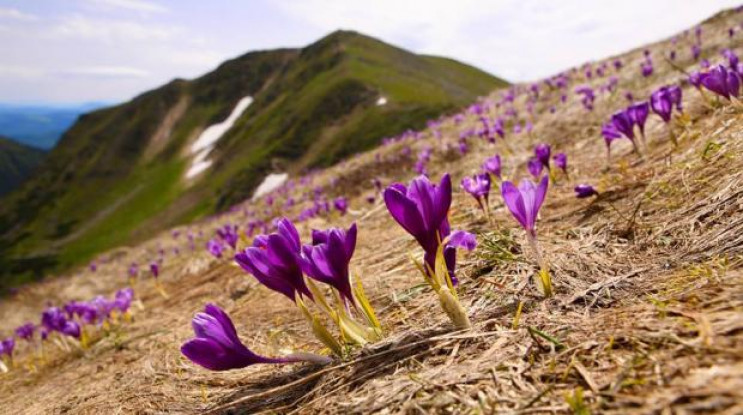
(381, 101)
(272, 182)
(209, 137)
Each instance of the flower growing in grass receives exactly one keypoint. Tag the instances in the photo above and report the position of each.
(327, 260)
(492, 165)
(421, 208)
(217, 347)
(328, 257)
(524, 203)
(25, 331)
(663, 101)
(479, 187)
(6, 349)
(721, 81)
(535, 167)
(155, 271)
(274, 261)
(229, 234)
(638, 113)
(215, 247)
(583, 191)
(278, 261)
(610, 133)
(561, 162)
(624, 124)
(341, 205)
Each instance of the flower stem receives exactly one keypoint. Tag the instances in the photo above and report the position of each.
(544, 272)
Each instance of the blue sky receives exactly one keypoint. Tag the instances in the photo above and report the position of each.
(69, 51)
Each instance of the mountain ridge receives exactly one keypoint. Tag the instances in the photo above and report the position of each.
(312, 107)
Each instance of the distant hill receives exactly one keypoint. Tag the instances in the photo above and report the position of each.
(40, 126)
(120, 173)
(17, 162)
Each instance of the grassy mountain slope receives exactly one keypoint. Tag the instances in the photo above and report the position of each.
(648, 278)
(119, 173)
(17, 162)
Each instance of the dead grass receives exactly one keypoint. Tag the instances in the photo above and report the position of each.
(647, 316)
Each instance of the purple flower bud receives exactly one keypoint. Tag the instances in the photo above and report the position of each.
(216, 345)
(535, 167)
(215, 247)
(525, 201)
(274, 260)
(328, 257)
(478, 186)
(583, 191)
(341, 205)
(561, 161)
(542, 152)
(25, 331)
(492, 165)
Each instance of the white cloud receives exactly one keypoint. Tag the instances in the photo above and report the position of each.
(15, 14)
(134, 5)
(20, 71)
(107, 72)
(111, 30)
(517, 39)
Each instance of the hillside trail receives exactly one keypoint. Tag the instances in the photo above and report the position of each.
(647, 317)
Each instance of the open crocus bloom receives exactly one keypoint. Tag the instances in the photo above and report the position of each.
(327, 258)
(525, 201)
(217, 347)
(274, 261)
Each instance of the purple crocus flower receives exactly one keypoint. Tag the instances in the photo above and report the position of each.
(525, 201)
(133, 270)
(696, 51)
(421, 209)
(71, 328)
(274, 260)
(7, 346)
(216, 345)
(229, 234)
(53, 319)
(155, 269)
(647, 68)
(663, 100)
(492, 165)
(327, 258)
(542, 152)
(722, 82)
(341, 205)
(583, 191)
(123, 299)
(624, 123)
(535, 167)
(731, 57)
(479, 187)
(215, 247)
(25, 331)
(561, 161)
(638, 113)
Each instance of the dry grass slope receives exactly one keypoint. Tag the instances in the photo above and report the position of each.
(647, 318)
